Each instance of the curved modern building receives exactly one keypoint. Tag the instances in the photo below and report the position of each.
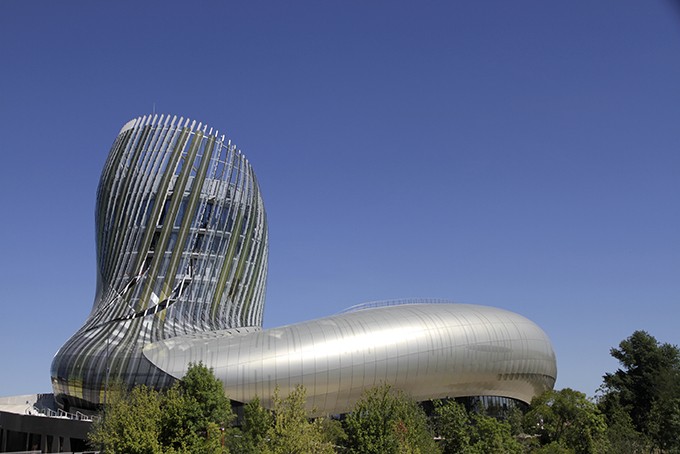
(182, 263)
(181, 238)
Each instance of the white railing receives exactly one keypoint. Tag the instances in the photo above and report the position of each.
(77, 416)
(396, 302)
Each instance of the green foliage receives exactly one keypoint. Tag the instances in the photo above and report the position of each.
(385, 421)
(285, 429)
(647, 389)
(176, 432)
(647, 369)
(257, 421)
(193, 416)
(291, 431)
(471, 433)
(196, 414)
(130, 423)
(621, 434)
(333, 432)
(568, 418)
(205, 398)
(491, 436)
(180, 431)
(664, 426)
(516, 420)
(452, 426)
(552, 448)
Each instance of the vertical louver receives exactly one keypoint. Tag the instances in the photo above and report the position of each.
(181, 237)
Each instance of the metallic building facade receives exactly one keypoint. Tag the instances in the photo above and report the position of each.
(181, 237)
(427, 350)
(182, 263)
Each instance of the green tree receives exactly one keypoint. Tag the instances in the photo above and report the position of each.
(388, 421)
(568, 418)
(333, 432)
(196, 415)
(664, 426)
(552, 448)
(452, 426)
(177, 434)
(130, 423)
(255, 427)
(488, 435)
(515, 418)
(621, 434)
(291, 431)
(205, 394)
(647, 370)
(647, 388)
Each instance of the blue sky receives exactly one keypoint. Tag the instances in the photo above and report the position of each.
(524, 155)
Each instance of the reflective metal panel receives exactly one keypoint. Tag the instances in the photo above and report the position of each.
(428, 350)
(181, 240)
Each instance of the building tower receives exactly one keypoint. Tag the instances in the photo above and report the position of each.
(181, 237)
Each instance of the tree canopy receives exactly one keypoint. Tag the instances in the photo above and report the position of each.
(193, 416)
(567, 418)
(196, 415)
(385, 420)
(461, 432)
(131, 422)
(645, 391)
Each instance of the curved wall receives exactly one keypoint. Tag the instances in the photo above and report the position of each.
(181, 238)
(428, 350)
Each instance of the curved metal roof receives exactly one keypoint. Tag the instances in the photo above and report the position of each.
(428, 350)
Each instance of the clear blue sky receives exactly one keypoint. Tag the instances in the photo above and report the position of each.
(520, 154)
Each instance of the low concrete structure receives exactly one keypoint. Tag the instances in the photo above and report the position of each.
(32, 423)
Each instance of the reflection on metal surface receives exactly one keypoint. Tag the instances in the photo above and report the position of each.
(428, 350)
(181, 248)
